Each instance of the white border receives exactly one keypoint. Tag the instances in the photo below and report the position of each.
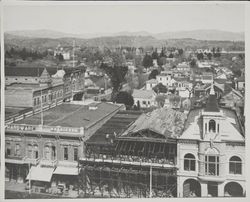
(67, 3)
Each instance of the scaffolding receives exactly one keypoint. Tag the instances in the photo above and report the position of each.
(102, 179)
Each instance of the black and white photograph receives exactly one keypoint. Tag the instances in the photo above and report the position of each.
(124, 100)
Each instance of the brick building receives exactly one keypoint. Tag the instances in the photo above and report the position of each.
(54, 147)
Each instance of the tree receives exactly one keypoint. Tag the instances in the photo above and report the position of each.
(125, 98)
(161, 61)
(200, 56)
(60, 57)
(171, 55)
(180, 52)
(160, 88)
(155, 54)
(193, 63)
(117, 77)
(160, 99)
(209, 56)
(147, 61)
(153, 74)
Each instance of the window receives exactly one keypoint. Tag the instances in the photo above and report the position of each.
(35, 151)
(235, 165)
(17, 150)
(8, 149)
(75, 154)
(34, 101)
(66, 156)
(211, 126)
(29, 151)
(211, 165)
(144, 102)
(47, 152)
(189, 162)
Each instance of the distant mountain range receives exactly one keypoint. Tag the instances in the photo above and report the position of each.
(215, 35)
(47, 39)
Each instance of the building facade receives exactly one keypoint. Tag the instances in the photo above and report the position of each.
(211, 153)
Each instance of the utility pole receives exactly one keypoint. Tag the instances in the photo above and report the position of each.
(41, 108)
(73, 53)
(150, 183)
(29, 179)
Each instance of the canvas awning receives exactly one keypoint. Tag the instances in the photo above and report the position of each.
(38, 173)
(63, 170)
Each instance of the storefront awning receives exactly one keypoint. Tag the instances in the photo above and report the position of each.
(63, 170)
(38, 173)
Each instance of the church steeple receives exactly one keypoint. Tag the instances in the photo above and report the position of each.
(212, 104)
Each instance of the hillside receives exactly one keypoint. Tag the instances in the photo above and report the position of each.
(216, 35)
(116, 41)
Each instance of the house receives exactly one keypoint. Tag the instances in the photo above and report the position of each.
(144, 98)
(184, 66)
(165, 78)
(207, 78)
(183, 86)
(150, 84)
(240, 83)
(211, 153)
(232, 99)
(202, 90)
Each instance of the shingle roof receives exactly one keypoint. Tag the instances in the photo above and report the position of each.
(165, 121)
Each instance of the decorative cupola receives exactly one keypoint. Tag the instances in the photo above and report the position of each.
(211, 117)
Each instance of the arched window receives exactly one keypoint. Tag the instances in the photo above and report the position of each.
(235, 165)
(35, 147)
(189, 162)
(211, 126)
(47, 152)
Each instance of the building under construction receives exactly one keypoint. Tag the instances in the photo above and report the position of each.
(133, 155)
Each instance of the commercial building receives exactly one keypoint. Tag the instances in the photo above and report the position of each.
(211, 153)
(51, 143)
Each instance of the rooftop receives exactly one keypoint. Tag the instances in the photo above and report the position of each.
(145, 94)
(230, 129)
(12, 111)
(164, 121)
(212, 104)
(114, 126)
(35, 71)
(72, 115)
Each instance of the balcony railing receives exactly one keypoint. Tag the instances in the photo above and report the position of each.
(31, 161)
(131, 160)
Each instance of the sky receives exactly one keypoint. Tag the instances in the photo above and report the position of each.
(110, 19)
